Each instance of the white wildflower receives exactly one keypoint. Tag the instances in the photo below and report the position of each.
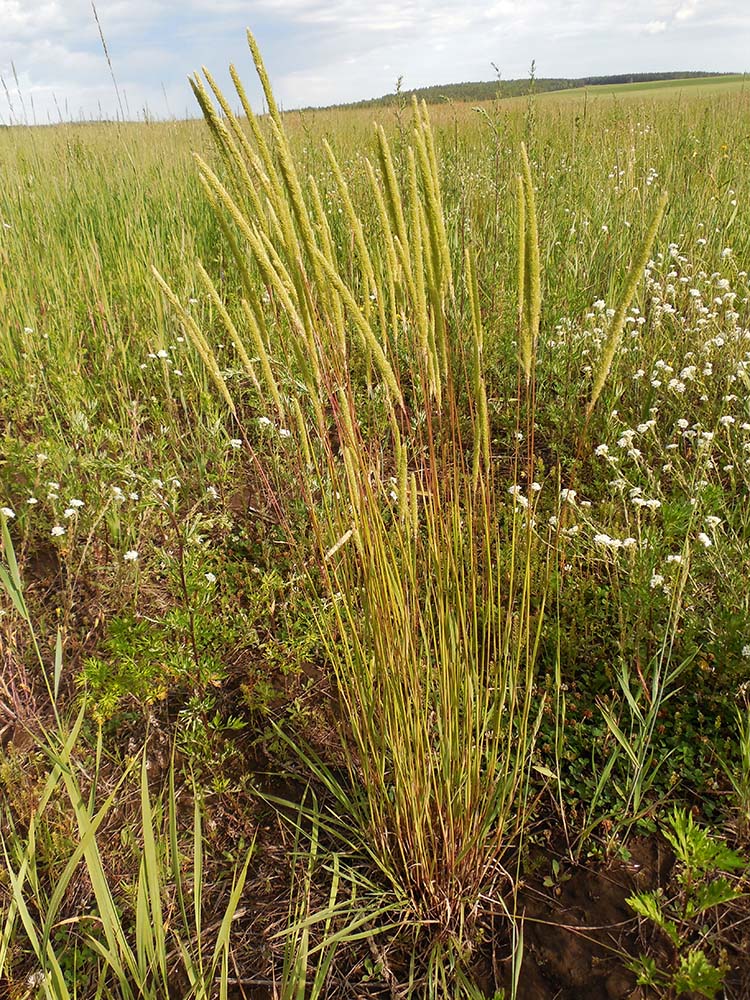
(607, 542)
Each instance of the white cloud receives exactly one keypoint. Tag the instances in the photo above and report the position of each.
(655, 27)
(686, 11)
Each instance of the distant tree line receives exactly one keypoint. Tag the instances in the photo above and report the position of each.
(491, 89)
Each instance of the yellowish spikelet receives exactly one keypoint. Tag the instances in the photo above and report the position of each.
(201, 345)
(532, 305)
(618, 320)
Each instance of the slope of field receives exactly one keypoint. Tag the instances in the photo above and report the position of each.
(503, 89)
(659, 88)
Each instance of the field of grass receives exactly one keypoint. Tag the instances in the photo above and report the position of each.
(374, 617)
(491, 90)
(668, 88)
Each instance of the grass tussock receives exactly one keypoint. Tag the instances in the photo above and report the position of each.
(434, 644)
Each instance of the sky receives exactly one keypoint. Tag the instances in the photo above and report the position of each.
(320, 52)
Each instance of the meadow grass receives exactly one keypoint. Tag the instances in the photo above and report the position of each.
(667, 88)
(422, 457)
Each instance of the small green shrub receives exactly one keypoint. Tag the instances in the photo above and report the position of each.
(702, 885)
